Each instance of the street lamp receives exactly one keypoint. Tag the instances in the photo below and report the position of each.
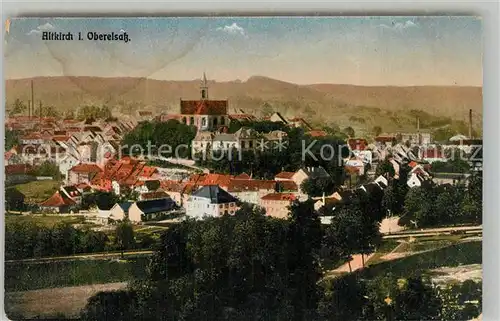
(388, 302)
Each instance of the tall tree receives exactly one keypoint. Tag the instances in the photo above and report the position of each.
(304, 242)
(124, 236)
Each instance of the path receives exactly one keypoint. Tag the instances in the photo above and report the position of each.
(356, 263)
(108, 255)
(54, 302)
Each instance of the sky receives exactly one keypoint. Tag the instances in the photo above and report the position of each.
(368, 51)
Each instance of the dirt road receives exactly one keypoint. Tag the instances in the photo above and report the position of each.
(67, 301)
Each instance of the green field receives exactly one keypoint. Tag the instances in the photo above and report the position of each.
(32, 276)
(450, 256)
(43, 220)
(38, 191)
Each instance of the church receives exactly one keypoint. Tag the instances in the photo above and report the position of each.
(205, 114)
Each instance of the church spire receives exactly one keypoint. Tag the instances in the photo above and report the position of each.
(204, 87)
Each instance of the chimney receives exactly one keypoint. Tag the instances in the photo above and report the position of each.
(470, 123)
(32, 100)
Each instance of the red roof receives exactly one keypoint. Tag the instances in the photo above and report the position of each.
(147, 171)
(285, 175)
(413, 164)
(385, 139)
(216, 179)
(352, 169)
(279, 197)
(86, 168)
(154, 195)
(61, 138)
(432, 153)
(288, 186)
(317, 133)
(242, 176)
(204, 107)
(56, 200)
(32, 136)
(357, 143)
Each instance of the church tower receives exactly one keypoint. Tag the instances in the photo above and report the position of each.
(204, 88)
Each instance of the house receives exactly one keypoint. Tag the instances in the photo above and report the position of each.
(58, 203)
(357, 144)
(381, 181)
(433, 155)
(307, 173)
(298, 122)
(276, 204)
(210, 201)
(420, 138)
(284, 176)
(149, 210)
(72, 192)
(205, 114)
(83, 173)
(356, 162)
(175, 190)
(417, 177)
(153, 195)
(385, 140)
(120, 211)
(202, 142)
(277, 118)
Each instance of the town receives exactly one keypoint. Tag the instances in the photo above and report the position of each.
(244, 168)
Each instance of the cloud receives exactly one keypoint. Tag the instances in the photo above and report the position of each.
(45, 27)
(232, 29)
(400, 25)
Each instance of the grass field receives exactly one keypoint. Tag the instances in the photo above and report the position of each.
(32, 276)
(450, 256)
(44, 220)
(38, 191)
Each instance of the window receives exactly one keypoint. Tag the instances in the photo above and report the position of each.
(226, 205)
(191, 121)
(208, 205)
(203, 122)
(250, 144)
(221, 206)
(222, 120)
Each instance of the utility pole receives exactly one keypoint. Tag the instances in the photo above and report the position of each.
(40, 106)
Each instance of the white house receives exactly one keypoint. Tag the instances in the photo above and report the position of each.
(210, 200)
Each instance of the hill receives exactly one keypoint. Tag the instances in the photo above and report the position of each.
(392, 108)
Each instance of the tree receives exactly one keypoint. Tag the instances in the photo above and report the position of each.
(48, 168)
(343, 235)
(11, 139)
(267, 109)
(377, 130)
(349, 131)
(124, 236)
(385, 168)
(317, 186)
(344, 299)
(101, 200)
(113, 305)
(17, 107)
(304, 243)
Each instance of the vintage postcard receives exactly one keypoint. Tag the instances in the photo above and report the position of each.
(324, 168)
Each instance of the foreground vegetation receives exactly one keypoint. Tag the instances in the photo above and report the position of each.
(253, 267)
(32, 276)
